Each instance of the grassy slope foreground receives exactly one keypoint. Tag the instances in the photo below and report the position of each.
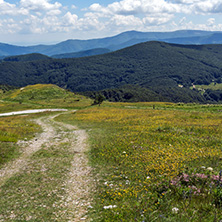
(15, 128)
(37, 171)
(151, 161)
(161, 164)
(47, 182)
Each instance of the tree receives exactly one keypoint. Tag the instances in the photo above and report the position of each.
(98, 99)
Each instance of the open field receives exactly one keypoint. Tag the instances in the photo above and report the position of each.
(150, 162)
(161, 164)
(213, 86)
(13, 129)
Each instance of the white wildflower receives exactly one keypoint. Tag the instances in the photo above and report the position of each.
(203, 167)
(109, 207)
(175, 210)
(210, 168)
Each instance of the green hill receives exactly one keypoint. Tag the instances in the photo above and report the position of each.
(166, 70)
(46, 94)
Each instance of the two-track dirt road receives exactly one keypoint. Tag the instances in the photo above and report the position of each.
(79, 181)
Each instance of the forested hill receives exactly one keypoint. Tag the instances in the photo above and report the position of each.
(166, 70)
(27, 57)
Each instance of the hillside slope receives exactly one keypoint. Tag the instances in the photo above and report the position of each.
(45, 94)
(166, 69)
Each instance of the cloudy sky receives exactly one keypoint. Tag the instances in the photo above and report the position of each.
(27, 22)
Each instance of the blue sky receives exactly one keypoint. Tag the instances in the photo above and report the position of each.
(30, 22)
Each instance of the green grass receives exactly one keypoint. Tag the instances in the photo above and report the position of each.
(42, 96)
(37, 96)
(37, 193)
(13, 129)
(8, 151)
(212, 86)
(190, 107)
(137, 151)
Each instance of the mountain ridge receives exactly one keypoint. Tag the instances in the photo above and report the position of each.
(167, 70)
(116, 42)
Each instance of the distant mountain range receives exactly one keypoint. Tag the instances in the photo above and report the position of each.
(117, 42)
(90, 52)
(154, 71)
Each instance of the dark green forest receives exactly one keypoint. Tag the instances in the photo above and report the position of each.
(25, 58)
(151, 71)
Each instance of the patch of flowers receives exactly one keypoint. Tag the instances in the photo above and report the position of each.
(109, 207)
(197, 185)
(145, 154)
(198, 182)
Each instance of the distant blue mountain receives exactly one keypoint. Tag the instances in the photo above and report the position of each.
(90, 52)
(116, 42)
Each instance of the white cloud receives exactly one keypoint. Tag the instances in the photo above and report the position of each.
(187, 1)
(126, 7)
(96, 7)
(209, 6)
(144, 7)
(70, 19)
(7, 8)
(157, 20)
(39, 5)
(48, 16)
(210, 25)
(9, 26)
(182, 21)
(91, 22)
(133, 7)
(211, 21)
(129, 20)
(54, 12)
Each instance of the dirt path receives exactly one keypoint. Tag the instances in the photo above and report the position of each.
(33, 146)
(79, 181)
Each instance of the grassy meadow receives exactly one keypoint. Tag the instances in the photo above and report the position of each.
(13, 129)
(151, 161)
(41, 96)
(161, 164)
(38, 96)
